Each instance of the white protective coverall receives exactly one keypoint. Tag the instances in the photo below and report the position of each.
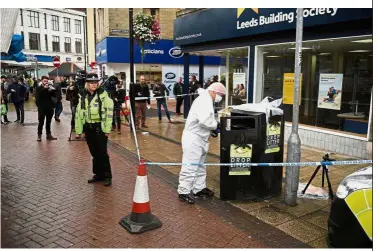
(195, 143)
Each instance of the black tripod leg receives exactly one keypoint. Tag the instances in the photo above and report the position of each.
(329, 183)
(312, 177)
(323, 169)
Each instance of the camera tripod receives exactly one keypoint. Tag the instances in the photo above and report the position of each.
(324, 173)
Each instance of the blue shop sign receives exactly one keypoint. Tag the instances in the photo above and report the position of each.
(218, 24)
(117, 50)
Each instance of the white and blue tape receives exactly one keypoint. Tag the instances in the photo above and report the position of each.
(326, 163)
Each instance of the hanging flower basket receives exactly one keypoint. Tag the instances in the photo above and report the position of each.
(146, 30)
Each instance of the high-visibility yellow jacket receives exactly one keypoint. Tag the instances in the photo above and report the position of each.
(90, 113)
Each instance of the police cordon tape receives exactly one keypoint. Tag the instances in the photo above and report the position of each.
(326, 163)
(160, 97)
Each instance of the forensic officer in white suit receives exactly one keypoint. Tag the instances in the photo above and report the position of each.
(195, 143)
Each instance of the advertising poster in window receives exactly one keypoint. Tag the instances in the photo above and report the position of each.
(170, 75)
(273, 138)
(288, 89)
(330, 89)
(240, 154)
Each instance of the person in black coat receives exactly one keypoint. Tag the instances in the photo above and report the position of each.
(44, 100)
(118, 100)
(160, 90)
(72, 95)
(4, 87)
(18, 91)
(58, 99)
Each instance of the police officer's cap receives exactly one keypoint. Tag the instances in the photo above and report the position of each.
(92, 77)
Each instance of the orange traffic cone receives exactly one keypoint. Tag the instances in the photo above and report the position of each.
(140, 220)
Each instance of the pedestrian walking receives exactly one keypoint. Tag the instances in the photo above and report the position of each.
(93, 120)
(58, 99)
(178, 89)
(72, 95)
(44, 100)
(119, 99)
(160, 92)
(142, 91)
(17, 91)
(195, 145)
(27, 89)
(4, 87)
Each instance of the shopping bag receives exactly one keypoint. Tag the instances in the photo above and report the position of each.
(4, 110)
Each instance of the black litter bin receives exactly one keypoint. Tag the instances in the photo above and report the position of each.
(245, 139)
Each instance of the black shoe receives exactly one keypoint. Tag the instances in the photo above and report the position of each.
(57, 119)
(39, 137)
(186, 198)
(107, 182)
(204, 193)
(95, 179)
(16, 121)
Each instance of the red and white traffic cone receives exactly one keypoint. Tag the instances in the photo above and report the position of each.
(140, 220)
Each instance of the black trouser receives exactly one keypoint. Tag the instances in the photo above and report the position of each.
(73, 113)
(6, 116)
(26, 96)
(20, 111)
(179, 101)
(97, 144)
(117, 116)
(42, 114)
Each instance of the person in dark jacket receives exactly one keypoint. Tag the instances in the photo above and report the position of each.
(58, 99)
(17, 91)
(178, 90)
(142, 91)
(4, 87)
(72, 95)
(160, 90)
(119, 99)
(44, 99)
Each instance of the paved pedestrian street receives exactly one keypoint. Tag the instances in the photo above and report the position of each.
(47, 202)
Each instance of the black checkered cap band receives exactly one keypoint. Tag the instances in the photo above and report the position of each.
(92, 78)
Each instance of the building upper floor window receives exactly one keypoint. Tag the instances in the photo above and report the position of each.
(45, 20)
(23, 40)
(34, 41)
(77, 26)
(55, 23)
(56, 44)
(78, 47)
(21, 18)
(67, 24)
(67, 44)
(33, 19)
(46, 43)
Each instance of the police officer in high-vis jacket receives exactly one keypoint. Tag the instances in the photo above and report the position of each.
(94, 116)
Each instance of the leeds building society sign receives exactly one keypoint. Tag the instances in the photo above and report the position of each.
(278, 17)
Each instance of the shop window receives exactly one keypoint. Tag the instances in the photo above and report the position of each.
(336, 82)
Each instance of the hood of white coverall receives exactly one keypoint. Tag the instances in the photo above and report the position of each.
(201, 120)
